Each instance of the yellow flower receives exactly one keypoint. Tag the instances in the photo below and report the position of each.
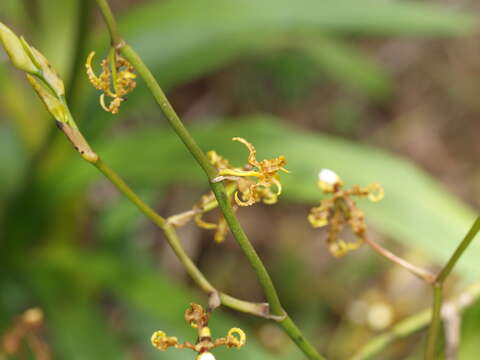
(198, 318)
(116, 80)
(265, 172)
(341, 210)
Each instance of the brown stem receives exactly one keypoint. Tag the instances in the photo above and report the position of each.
(423, 274)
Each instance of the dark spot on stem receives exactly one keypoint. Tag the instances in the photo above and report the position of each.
(59, 124)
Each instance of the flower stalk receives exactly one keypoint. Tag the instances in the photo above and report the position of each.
(437, 285)
(218, 188)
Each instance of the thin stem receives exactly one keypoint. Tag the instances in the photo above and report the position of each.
(129, 193)
(168, 110)
(218, 188)
(414, 323)
(435, 321)
(110, 21)
(248, 249)
(459, 251)
(258, 309)
(438, 289)
(417, 271)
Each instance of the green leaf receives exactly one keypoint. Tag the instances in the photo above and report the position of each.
(348, 65)
(416, 211)
(77, 329)
(185, 38)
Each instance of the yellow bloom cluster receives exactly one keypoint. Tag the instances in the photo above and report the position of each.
(198, 318)
(116, 80)
(265, 172)
(258, 181)
(341, 210)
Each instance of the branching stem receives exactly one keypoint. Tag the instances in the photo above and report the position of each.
(417, 271)
(438, 290)
(218, 188)
(414, 323)
(258, 309)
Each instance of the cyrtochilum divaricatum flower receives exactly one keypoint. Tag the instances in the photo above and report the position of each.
(198, 318)
(257, 181)
(340, 210)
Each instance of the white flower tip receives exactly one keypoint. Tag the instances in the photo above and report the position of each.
(328, 176)
(206, 356)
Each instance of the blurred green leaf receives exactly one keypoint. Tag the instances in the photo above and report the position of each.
(12, 160)
(416, 211)
(77, 328)
(58, 17)
(348, 65)
(182, 39)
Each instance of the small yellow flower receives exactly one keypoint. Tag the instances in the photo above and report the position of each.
(207, 202)
(341, 210)
(265, 172)
(198, 318)
(116, 80)
(245, 186)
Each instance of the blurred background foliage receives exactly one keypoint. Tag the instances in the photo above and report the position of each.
(377, 90)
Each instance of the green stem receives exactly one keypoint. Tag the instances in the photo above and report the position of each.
(248, 249)
(435, 321)
(168, 110)
(258, 309)
(414, 323)
(218, 188)
(110, 21)
(430, 346)
(459, 251)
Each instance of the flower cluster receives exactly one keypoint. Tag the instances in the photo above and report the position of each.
(266, 173)
(341, 210)
(116, 80)
(258, 181)
(198, 318)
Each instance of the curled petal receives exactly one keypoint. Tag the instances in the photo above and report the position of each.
(252, 157)
(161, 341)
(268, 196)
(203, 224)
(278, 185)
(236, 338)
(340, 248)
(96, 81)
(222, 230)
(250, 199)
(196, 316)
(376, 192)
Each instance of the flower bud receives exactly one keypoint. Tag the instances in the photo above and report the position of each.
(327, 180)
(15, 50)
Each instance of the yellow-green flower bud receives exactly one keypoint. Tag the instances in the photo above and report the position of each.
(15, 50)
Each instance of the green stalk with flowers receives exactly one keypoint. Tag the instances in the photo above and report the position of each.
(232, 188)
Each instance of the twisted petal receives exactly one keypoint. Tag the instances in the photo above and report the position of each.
(161, 341)
(252, 157)
(236, 338)
(376, 192)
(196, 316)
